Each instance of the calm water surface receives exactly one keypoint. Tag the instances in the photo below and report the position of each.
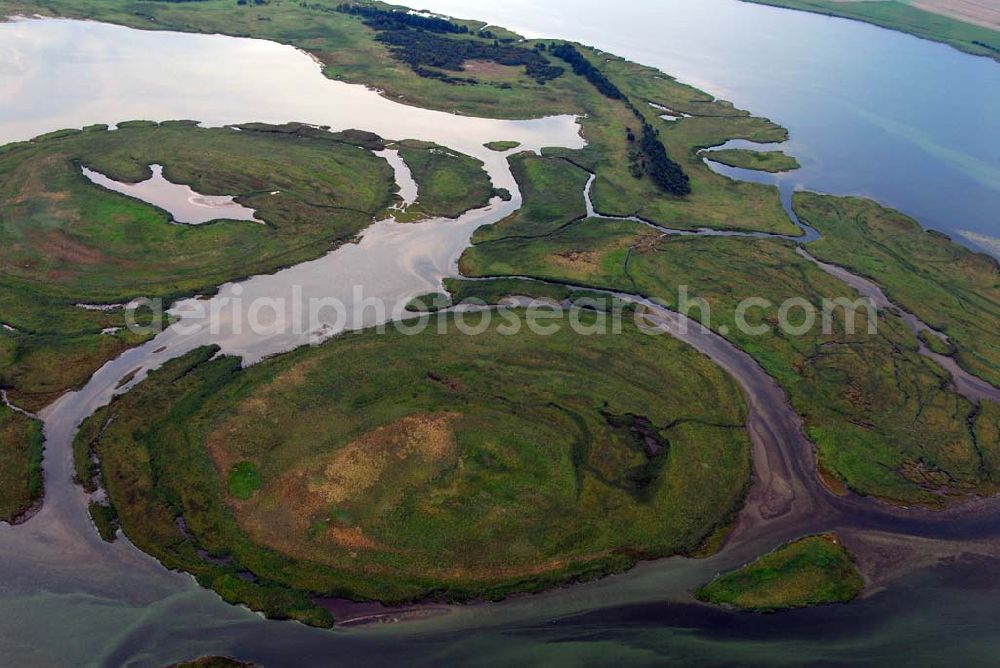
(185, 206)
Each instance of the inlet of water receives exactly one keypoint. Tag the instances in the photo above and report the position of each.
(184, 205)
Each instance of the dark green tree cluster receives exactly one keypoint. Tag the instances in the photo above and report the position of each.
(665, 173)
(422, 50)
(985, 45)
(387, 19)
(653, 158)
(584, 68)
(421, 42)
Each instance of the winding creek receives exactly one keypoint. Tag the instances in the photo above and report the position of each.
(67, 597)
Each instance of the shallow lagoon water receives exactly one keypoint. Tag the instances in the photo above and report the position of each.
(184, 205)
(67, 598)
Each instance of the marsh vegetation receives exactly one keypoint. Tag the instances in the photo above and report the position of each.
(815, 570)
(399, 467)
(765, 161)
(461, 467)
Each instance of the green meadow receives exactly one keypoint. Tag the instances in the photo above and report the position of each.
(458, 466)
(815, 570)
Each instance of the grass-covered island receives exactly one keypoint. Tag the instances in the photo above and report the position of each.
(814, 570)
(764, 161)
(399, 467)
(214, 662)
(457, 467)
(502, 146)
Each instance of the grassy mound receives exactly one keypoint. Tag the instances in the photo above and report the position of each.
(457, 466)
(810, 571)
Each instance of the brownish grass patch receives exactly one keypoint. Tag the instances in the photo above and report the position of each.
(356, 467)
(978, 12)
(62, 247)
(296, 514)
(486, 69)
(582, 261)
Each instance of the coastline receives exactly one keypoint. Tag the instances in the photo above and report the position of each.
(972, 39)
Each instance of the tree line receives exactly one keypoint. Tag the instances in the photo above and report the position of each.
(388, 19)
(585, 68)
(664, 172)
(422, 43)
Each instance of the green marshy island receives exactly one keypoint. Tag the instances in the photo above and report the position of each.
(764, 161)
(815, 570)
(457, 467)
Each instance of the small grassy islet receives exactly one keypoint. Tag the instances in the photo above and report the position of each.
(815, 570)
(764, 161)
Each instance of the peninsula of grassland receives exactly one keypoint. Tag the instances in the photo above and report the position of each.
(763, 161)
